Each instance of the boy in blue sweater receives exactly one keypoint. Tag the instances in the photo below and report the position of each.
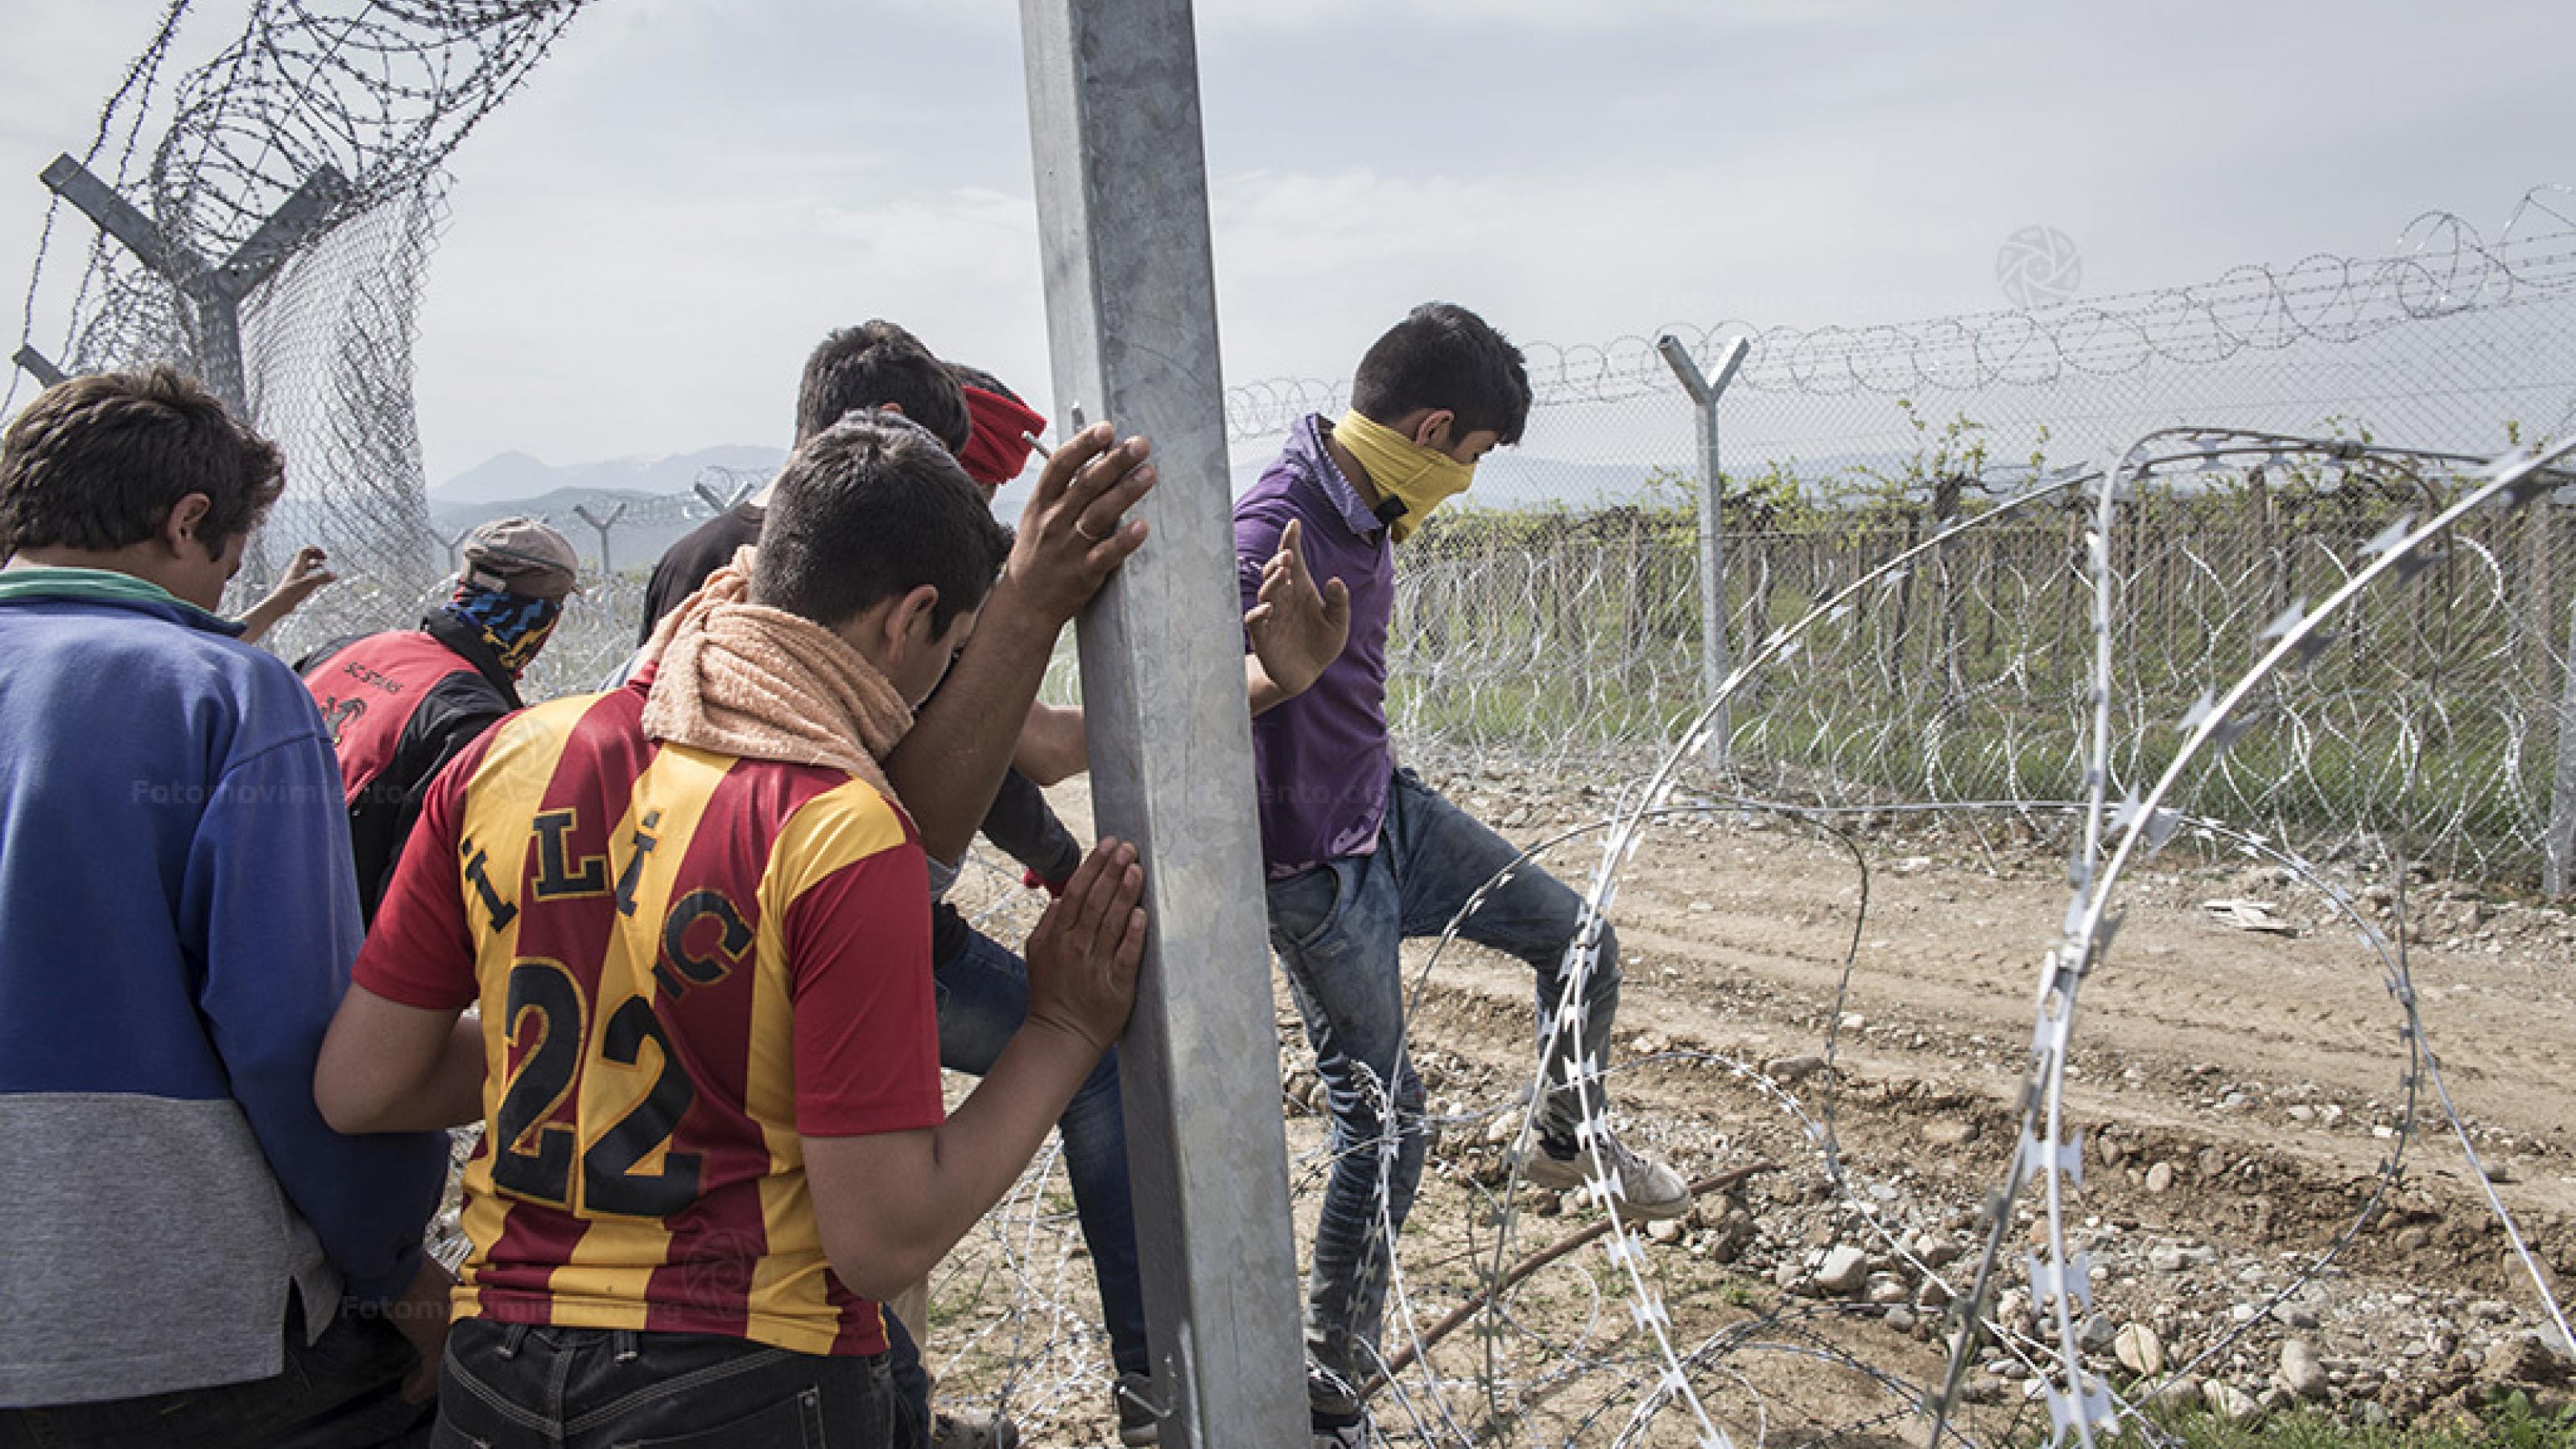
(191, 1254)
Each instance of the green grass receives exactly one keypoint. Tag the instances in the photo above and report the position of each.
(1565, 637)
(1866, 710)
(2508, 1423)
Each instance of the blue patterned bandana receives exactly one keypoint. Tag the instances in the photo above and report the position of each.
(513, 626)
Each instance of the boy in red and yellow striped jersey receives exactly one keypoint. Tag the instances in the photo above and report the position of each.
(696, 922)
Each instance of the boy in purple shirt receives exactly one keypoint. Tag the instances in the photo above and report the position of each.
(1362, 854)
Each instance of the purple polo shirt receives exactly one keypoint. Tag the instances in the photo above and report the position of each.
(1323, 759)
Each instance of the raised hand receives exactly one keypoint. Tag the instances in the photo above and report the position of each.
(1296, 629)
(1075, 531)
(306, 573)
(1083, 954)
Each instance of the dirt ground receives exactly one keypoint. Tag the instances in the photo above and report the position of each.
(2241, 1094)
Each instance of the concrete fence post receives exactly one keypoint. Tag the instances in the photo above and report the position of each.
(603, 525)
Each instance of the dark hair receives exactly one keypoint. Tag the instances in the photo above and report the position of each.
(868, 509)
(874, 365)
(1444, 356)
(968, 375)
(98, 462)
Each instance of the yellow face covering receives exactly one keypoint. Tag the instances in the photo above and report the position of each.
(1404, 470)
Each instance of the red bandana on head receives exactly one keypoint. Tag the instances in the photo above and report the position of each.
(996, 451)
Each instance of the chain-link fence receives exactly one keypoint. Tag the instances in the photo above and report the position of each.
(1551, 643)
(273, 241)
(1558, 619)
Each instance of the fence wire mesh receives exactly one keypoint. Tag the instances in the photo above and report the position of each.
(1556, 620)
(1550, 634)
(349, 108)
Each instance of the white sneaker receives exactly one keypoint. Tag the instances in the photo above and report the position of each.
(1349, 1436)
(1647, 1188)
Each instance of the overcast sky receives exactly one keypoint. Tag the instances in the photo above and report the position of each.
(648, 238)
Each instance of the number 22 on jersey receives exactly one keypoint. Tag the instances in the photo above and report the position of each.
(533, 1152)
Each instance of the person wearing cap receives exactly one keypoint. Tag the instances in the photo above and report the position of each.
(401, 704)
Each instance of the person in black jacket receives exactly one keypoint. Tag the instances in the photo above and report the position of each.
(983, 985)
(876, 365)
(401, 704)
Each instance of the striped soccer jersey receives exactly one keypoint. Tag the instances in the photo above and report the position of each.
(684, 960)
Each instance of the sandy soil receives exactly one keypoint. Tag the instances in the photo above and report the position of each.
(2241, 1095)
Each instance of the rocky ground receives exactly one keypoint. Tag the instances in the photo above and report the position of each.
(2275, 1206)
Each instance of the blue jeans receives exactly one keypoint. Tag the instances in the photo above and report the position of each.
(339, 1393)
(983, 997)
(514, 1386)
(1338, 929)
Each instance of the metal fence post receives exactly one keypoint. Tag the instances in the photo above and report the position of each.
(1131, 322)
(215, 292)
(2558, 848)
(40, 367)
(1716, 659)
(719, 503)
(603, 525)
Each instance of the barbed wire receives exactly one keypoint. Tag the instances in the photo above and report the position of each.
(1860, 703)
(2059, 1279)
(2443, 267)
(350, 107)
(1597, 1378)
(2046, 1151)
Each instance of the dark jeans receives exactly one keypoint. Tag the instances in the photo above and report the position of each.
(339, 1393)
(508, 1385)
(911, 1386)
(983, 997)
(1339, 930)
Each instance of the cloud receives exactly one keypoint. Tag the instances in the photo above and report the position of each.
(1369, 19)
(649, 237)
(659, 327)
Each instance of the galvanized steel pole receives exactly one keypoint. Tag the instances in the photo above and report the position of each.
(40, 367)
(1716, 658)
(217, 292)
(1131, 319)
(2558, 847)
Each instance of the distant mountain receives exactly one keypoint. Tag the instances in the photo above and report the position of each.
(648, 524)
(504, 475)
(661, 505)
(1509, 478)
(555, 505)
(508, 476)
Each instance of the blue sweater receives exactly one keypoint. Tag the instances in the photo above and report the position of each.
(177, 921)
